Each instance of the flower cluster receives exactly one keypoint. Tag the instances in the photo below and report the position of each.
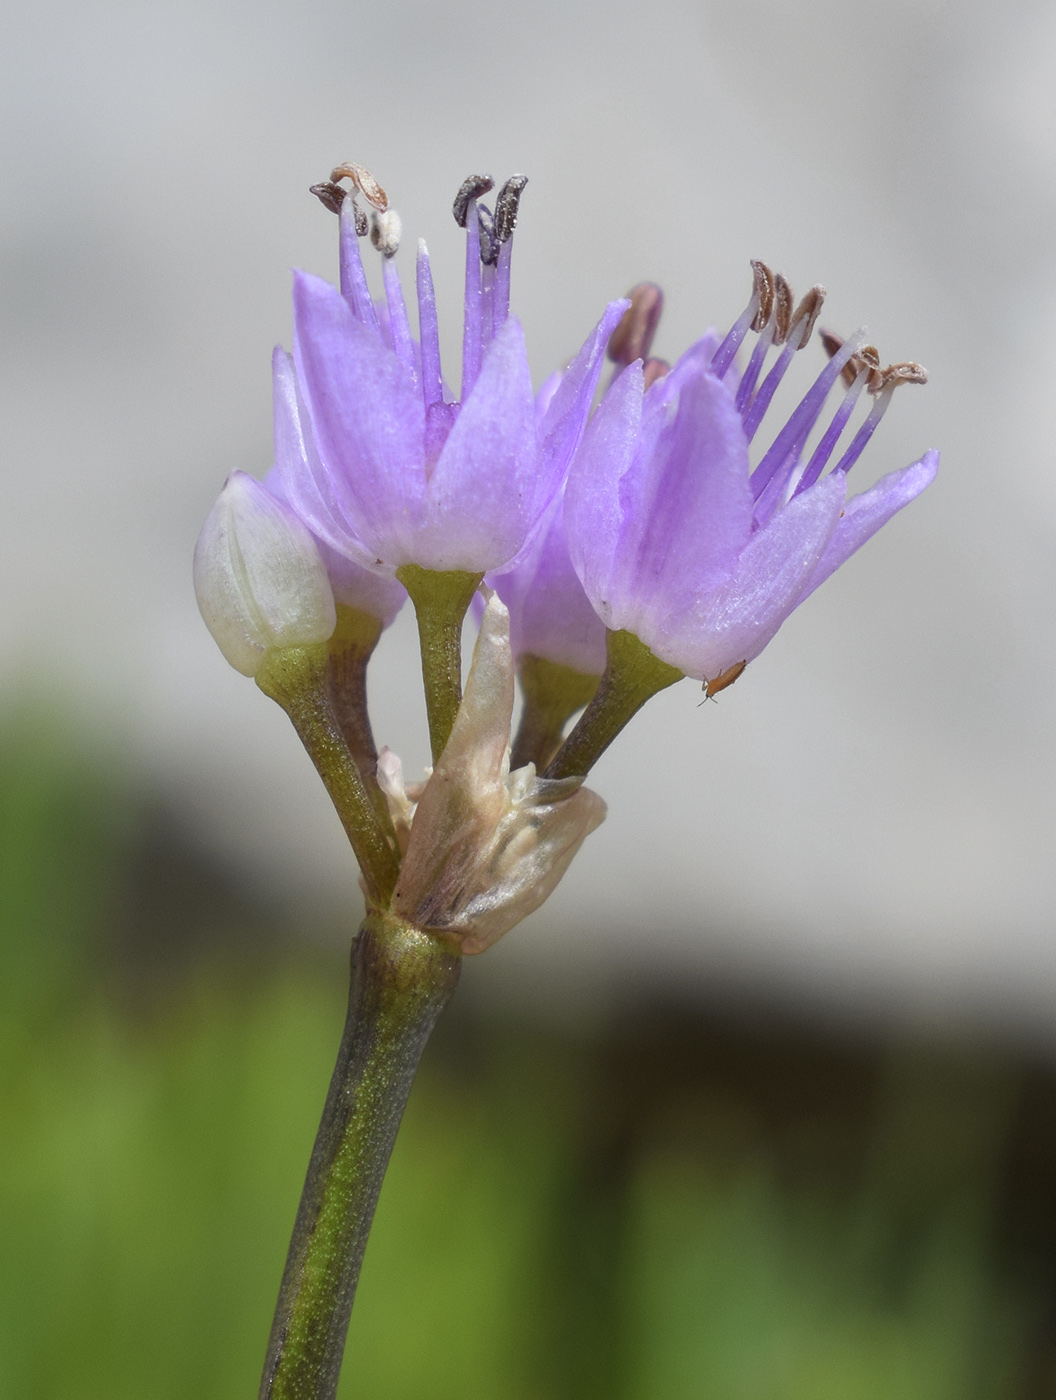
(635, 538)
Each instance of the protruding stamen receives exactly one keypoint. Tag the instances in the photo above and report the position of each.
(329, 194)
(905, 372)
(653, 370)
(507, 205)
(501, 305)
(750, 377)
(363, 181)
(428, 330)
(399, 326)
(471, 188)
(754, 317)
(868, 357)
(824, 450)
(353, 279)
(806, 315)
(472, 314)
(489, 244)
(782, 308)
(763, 290)
(632, 338)
(796, 431)
(386, 230)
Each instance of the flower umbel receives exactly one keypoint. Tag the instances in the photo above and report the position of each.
(631, 540)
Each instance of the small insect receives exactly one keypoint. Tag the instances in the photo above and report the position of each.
(711, 688)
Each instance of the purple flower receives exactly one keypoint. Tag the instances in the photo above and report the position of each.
(394, 471)
(677, 539)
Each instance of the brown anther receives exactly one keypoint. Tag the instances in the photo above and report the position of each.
(806, 314)
(363, 181)
(329, 195)
(507, 203)
(472, 187)
(711, 688)
(489, 244)
(763, 289)
(783, 299)
(653, 370)
(867, 358)
(905, 372)
(633, 336)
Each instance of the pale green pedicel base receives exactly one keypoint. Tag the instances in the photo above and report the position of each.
(441, 600)
(552, 695)
(401, 981)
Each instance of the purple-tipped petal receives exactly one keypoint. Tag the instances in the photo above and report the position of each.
(367, 418)
(479, 503)
(865, 514)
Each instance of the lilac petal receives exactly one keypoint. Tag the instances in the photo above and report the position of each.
(550, 615)
(594, 514)
(479, 503)
(736, 621)
(367, 418)
(694, 515)
(567, 410)
(865, 514)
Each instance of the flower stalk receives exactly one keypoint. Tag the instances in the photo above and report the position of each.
(633, 676)
(552, 695)
(401, 980)
(441, 600)
(297, 679)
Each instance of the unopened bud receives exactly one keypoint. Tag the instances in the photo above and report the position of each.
(258, 577)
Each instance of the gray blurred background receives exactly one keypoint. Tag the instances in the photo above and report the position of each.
(866, 820)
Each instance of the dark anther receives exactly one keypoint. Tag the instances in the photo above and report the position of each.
(489, 244)
(506, 205)
(807, 311)
(782, 309)
(653, 370)
(472, 187)
(633, 336)
(363, 181)
(329, 194)
(763, 288)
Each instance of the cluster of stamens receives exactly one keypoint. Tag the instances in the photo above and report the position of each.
(493, 228)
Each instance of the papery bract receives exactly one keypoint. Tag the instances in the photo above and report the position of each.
(485, 846)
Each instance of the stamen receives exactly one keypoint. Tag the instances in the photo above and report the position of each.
(754, 317)
(471, 188)
(797, 429)
(633, 337)
(398, 323)
(821, 454)
(489, 244)
(905, 372)
(386, 230)
(507, 205)
(473, 311)
(750, 376)
(428, 330)
(794, 328)
(501, 306)
(353, 279)
(487, 304)
(363, 181)
(329, 195)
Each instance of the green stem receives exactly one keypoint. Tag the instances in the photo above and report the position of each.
(440, 602)
(552, 695)
(296, 678)
(633, 676)
(401, 981)
(350, 648)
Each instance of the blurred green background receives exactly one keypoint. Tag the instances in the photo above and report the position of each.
(689, 1202)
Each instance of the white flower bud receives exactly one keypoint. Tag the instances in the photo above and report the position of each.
(258, 577)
